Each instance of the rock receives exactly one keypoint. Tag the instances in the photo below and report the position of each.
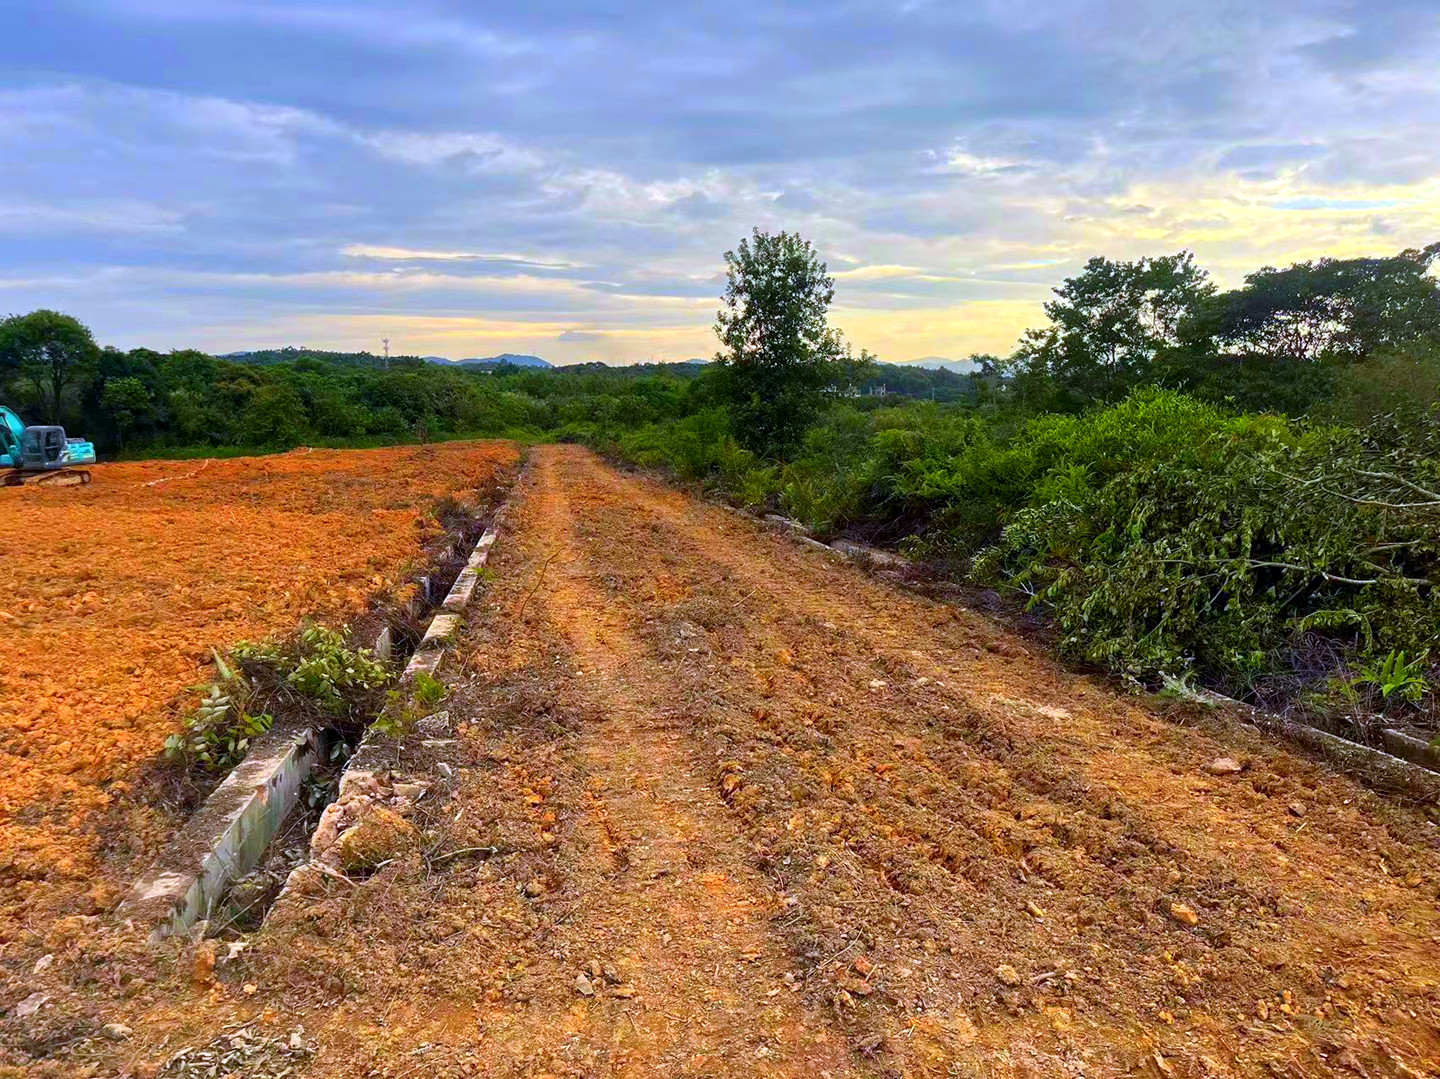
(871, 1043)
(44, 963)
(116, 1032)
(1007, 974)
(583, 985)
(1183, 914)
(435, 725)
(203, 973)
(1223, 766)
(376, 837)
(1297, 809)
(30, 1005)
(410, 792)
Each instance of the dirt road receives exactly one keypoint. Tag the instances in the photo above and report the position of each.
(756, 813)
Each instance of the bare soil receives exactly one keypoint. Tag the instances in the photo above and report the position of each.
(725, 805)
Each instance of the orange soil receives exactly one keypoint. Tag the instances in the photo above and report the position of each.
(810, 825)
(113, 595)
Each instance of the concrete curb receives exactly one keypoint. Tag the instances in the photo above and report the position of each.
(225, 838)
(1379, 768)
(854, 552)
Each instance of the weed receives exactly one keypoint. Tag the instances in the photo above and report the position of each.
(429, 690)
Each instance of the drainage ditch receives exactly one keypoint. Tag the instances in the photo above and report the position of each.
(230, 861)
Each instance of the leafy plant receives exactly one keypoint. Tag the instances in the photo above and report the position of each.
(327, 669)
(216, 738)
(1396, 676)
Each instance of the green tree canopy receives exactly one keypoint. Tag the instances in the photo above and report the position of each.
(1342, 309)
(1111, 322)
(779, 355)
(51, 351)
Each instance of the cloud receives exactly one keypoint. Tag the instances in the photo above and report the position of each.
(404, 254)
(175, 172)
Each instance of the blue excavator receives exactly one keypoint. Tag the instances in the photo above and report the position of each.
(41, 455)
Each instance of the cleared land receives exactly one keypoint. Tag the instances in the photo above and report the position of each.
(114, 595)
(789, 820)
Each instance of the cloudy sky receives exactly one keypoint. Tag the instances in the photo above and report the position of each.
(563, 178)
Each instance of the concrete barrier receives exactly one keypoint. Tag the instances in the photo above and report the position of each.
(225, 838)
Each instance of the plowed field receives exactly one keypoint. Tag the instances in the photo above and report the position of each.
(727, 806)
(111, 597)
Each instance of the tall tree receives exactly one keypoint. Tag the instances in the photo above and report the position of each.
(779, 354)
(51, 351)
(1111, 322)
(1342, 309)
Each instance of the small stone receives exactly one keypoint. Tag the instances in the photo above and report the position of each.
(1181, 913)
(1223, 766)
(116, 1032)
(583, 985)
(1297, 809)
(44, 963)
(1007, 974)
(30, 1005)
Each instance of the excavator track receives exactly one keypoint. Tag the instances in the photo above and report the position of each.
(64, 477)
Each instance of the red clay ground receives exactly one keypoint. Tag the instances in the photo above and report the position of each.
(114, 595)
(789, 820)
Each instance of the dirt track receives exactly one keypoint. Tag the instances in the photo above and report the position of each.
(807, 824)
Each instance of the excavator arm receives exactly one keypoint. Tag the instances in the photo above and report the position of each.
(12, 427)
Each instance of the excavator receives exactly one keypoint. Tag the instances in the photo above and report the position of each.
(41, 455)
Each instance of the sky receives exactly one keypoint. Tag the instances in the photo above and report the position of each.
(563, 179)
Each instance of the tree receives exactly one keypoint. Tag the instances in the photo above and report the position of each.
(128, 404)
(275, 416)
(1341, 309)
(779, 355)
(50, 350)
(1111, 323)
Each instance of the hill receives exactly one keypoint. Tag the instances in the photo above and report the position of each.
(517, 359)
(940, 363)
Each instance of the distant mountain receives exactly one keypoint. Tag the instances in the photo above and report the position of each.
(940, 363)
(505, 357)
